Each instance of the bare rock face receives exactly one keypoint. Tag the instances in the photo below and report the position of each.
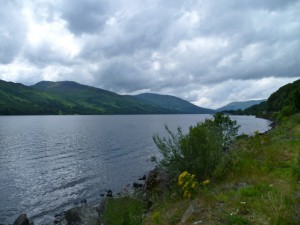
(83, 215)
(23, 220)
(157, 180)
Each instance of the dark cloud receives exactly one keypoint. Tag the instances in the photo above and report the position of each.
(86, 16)
(122, 75)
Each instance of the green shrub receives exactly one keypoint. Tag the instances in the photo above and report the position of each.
(225, 127)
(201, 150)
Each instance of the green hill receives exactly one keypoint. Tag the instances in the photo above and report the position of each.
(18, 99)
(173, 103)
(284, 102)
(67, 97)
(90, 100)
(286, 99)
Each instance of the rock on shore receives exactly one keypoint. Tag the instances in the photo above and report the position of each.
(23, 220)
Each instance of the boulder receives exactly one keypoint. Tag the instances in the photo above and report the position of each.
(143, 177)
(83, 215)
(23, 220)
(137, 185)
(157, 181)
(109, 193)
(72, 217)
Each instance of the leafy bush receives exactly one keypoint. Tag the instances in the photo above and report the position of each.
(225, 127)
(201, 150)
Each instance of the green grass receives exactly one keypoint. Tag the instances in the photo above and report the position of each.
(123, 211)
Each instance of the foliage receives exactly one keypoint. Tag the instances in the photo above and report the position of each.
(123, 211)
(226, 128)
(286, 96)
(201, 150)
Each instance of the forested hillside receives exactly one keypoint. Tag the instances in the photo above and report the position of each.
(284, 102)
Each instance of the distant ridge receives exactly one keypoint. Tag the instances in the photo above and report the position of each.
(240, 105)
(68, 97)
(173, 103)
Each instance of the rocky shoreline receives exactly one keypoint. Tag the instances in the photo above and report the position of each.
(84, 213)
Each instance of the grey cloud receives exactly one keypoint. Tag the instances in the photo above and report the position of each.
(12, 31)
(142, 31)
(85, 16)
(44, 55)
(254, 4)
(121, 75)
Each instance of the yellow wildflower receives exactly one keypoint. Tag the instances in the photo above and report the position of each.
(185, 193)
(205, 182)
(194, 185)
(183, 174)
(180, 182)
(186, 184)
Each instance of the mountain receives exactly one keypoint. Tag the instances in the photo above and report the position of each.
(172, 103)
(90, 100)
(67, 97)
(240, 105)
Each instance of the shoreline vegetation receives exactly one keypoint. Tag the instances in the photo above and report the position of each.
(254, 180)
(259, 184)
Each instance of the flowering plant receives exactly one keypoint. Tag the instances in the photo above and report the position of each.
(188, 184)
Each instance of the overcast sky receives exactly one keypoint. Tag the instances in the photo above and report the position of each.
(208, 52)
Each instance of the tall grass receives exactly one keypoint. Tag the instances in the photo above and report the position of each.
(123, 211)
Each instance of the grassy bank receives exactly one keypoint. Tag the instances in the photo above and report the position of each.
(260, 184)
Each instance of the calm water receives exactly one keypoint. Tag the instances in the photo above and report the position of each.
(49, 162)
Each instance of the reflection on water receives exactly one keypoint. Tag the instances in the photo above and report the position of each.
(49, 162)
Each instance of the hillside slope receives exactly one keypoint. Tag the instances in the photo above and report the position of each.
(173, 103)
(18, 99)
(67, 97)
(90, 100)
(240, 105)
(284, 102)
